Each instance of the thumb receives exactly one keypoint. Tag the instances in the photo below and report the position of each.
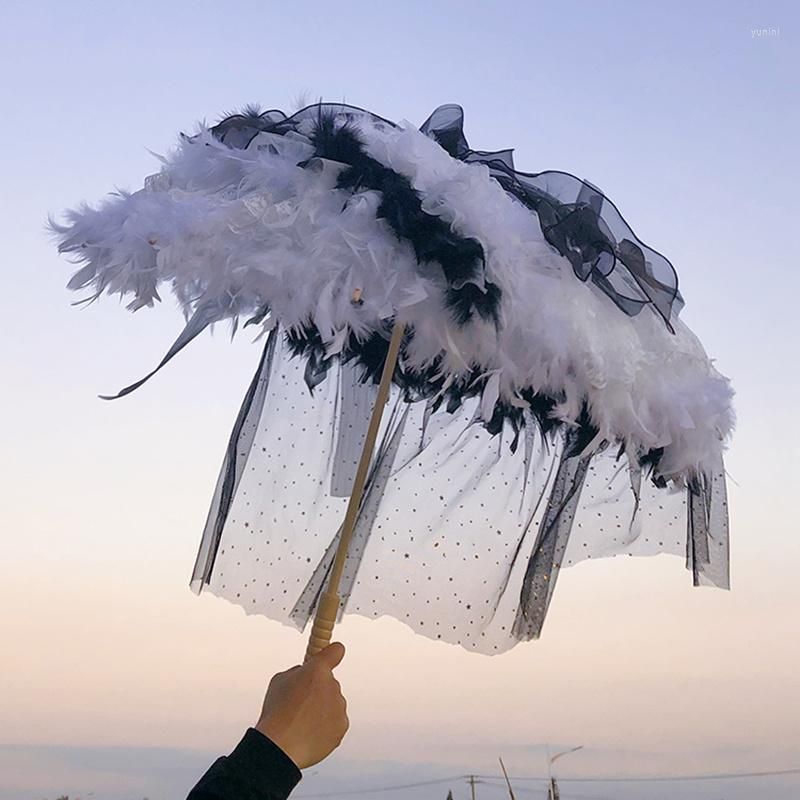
(331, 656)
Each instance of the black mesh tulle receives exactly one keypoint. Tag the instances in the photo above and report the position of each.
(458, 536)
(578, 220)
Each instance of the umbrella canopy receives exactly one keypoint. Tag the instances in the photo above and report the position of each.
(548, 404)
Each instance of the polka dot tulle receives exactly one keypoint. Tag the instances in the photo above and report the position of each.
(458, 536)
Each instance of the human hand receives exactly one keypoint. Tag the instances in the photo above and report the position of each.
(304, 711)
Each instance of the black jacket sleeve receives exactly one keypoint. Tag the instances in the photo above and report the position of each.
(257, 769)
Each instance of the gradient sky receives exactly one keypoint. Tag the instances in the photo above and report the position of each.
(114, 678)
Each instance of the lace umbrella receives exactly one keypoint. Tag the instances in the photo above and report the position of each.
(480, 370)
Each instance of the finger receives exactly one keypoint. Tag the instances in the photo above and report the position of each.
(331, 656)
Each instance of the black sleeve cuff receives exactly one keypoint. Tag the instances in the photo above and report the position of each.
(265, 764)
(267, 767)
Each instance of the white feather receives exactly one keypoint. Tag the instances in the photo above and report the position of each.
(244, 228)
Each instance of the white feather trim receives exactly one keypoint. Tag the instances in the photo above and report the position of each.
(241, 229)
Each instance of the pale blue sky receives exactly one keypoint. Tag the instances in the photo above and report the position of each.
(683, 116)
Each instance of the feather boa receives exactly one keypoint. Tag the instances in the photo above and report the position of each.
(268, 232)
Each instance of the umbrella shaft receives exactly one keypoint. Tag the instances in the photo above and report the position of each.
(328, 605)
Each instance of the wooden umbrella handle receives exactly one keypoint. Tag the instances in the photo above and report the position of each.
(324, 620)
(328, 604)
